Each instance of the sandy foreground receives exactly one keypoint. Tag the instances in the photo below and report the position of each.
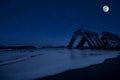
(64, 64)
(108, 70)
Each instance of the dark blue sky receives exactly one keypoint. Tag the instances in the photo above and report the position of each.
(52, 22)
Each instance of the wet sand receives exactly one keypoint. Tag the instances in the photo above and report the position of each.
(108, 70)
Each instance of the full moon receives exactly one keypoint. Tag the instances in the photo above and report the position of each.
(105, 8)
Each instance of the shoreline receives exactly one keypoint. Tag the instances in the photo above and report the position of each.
(108, 70)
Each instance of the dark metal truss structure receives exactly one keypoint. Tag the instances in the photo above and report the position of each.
(106, 41)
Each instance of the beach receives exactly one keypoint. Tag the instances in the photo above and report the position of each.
(108, 70)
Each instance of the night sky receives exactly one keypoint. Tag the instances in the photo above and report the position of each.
(52, 22)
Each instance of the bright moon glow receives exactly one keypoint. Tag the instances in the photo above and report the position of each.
(105, 8)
